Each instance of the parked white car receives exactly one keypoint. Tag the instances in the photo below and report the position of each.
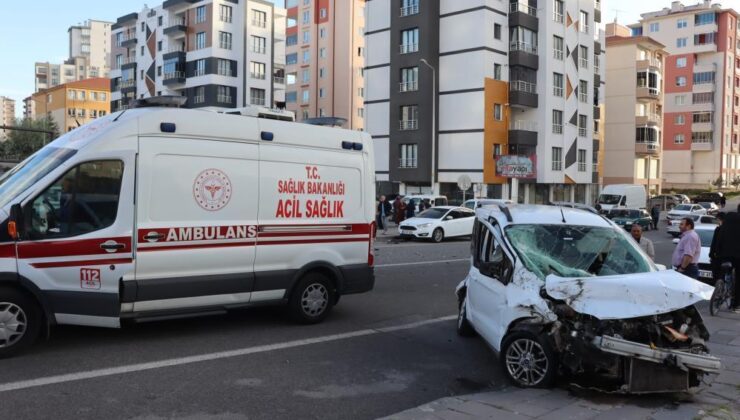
(699, 220)
(683, 210)
(556, 290)
(438, 223)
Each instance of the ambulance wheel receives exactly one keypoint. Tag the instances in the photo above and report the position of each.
(20, 322)
(312, 299)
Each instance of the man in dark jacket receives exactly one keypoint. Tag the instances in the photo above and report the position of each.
(655, 215)
(382, 213)
(726, 249)
(410, 210)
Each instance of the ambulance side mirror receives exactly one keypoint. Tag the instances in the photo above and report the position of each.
(15, 223)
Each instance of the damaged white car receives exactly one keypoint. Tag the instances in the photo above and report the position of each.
(557, 291)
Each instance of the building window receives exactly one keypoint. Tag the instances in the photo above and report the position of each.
(408, 155)
(259, 44)
(557, 121)
(583, 22)
(141, 76)
(306, 96)
(159, 21)
(557, 83)
(224, 40)
(410, 41)
(119, 61)
(498, 112)
(557, 48)
(322, 33)
(224, 67)
(322, 52)
(582, 125)
(291, 97)
(703, 77)
(306, 75)
(409, 7)
(558, 11)
(583, 56)
(259, 18)
(646, 135)
(257, 70)
(159, 45)
(225, 14)
(703, 98)
(702, 117)
(681, 62)
(200, 14)
(581, 160)
(704, 39)
(257, 96)
(200, 67)
(200, 40)
(200, 95)
(497, 71)
(223, 95)
(361, 92)
(681, 81)
(291, 58)
(322, 13)
(159, 70)
(681, 23)
(321, 92)
(557, 158)
(583, 91)
(291, 40)
(680, 99)
(322, 72)
(654, 27)
(681, 42)
(361, 112)
(679, 119)
(704, 18)
(409, 117)
(306, 56)
(306, 37)
(306, 17)
(409, 79)
(142, 50)
(523, 39)
(678, 139)
(496, 31)
(304, 114)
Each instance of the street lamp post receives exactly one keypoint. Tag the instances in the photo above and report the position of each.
(434, 120)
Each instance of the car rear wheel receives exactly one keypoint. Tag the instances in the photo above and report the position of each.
(312, 299)
(464, 328)
(438, 235)
(528, 360)
(20, 322)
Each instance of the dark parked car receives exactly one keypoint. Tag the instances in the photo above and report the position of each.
(627, 218)
(712, 197)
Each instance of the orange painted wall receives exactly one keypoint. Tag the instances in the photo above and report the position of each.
(494, 132)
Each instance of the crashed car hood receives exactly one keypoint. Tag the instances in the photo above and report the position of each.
(628, 295)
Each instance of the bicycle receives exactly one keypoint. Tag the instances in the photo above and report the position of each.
(723, 290)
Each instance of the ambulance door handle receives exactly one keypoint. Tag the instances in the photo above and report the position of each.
(153, 236)
(112, 246)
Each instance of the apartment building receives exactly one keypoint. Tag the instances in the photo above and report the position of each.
(634, 98)
(217, 53)
(325, 57)
(73, 104)
(702, 92)
(7, 115)
(89, 47)
(513, 104)
(29, 107)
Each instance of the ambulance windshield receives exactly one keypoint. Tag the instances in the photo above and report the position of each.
(30, 171)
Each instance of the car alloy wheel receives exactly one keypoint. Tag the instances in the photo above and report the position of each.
(526, 362)
(13, 324)
(438, 235)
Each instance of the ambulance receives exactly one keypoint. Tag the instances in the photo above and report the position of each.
(159, 212)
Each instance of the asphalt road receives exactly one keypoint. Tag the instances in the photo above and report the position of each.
(377, 354)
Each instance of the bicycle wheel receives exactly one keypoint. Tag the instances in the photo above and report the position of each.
(718, 297)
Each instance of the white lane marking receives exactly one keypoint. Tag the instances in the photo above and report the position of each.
(421, 263)
(139, 367)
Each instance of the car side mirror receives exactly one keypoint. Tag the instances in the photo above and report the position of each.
(676, 241)
(15, 222)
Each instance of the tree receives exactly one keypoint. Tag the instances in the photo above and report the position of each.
(735, 182)
(719, 182)
(21, 144)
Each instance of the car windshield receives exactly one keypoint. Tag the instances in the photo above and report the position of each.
(30, 171)
(683, 207)
(576, 251)
(433, 213)
(609, 199)
(706, 236)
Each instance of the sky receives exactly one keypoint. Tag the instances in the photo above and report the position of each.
(33, 31)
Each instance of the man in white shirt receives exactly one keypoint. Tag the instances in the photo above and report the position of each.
(645, 243)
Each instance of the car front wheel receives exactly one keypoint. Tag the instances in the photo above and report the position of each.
(464, 328)
(438, 235)
(528, 360)
(20, 322)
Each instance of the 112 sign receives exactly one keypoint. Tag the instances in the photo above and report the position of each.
(89, 278)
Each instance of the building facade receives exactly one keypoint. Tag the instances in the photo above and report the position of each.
(325, 56)
(702, 92)
(7, 115)
(443, 101)
(73, 104)
(634, 98)
(217, 53)
(29, 107)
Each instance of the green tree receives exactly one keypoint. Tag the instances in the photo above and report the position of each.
(719, 182)
(21, 144)
(735, 182)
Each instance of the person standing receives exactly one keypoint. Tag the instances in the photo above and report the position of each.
(727, 250)
(384, 209)
(722, 201)
(398, 210)
(686, 255)
(410, 209)
(655, 215)
(645, 243)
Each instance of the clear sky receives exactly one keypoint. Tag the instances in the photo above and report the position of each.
(33, 31)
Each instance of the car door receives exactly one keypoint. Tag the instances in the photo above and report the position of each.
(77, 241)
(466, 221)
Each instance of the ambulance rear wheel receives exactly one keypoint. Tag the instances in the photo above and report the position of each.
(312, 299)
(20, 322)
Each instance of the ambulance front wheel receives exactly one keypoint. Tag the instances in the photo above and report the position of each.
(20, 321)
(312, 299)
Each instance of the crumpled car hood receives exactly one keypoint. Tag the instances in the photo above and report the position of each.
(628, 295)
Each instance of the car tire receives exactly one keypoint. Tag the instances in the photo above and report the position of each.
(20, 322)
(438, 235)
(528, 360)
(464, 329)
(311, 299)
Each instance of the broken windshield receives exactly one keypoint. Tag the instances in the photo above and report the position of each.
(576, 251)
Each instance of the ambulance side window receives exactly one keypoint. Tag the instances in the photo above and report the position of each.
(83, 200)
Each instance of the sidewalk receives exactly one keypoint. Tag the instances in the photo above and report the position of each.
(721, 400)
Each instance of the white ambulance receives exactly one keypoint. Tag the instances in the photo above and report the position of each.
(154, 213)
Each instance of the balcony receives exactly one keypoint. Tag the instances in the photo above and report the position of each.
(128, 39)
(278, 80)
(523, 93)
(647, 147)
(701, 145)
(557, 128)
(405, 125)
(127, 84)
(649, 64)
(644, 92)
(407, 163)
(523, 54)
(408, 48)
(582, 132)
(174, 77)
(259, 23)
(702, 127)
(224, 99)
(258, 76)
(410, 10)
(523, 15)
(523, 133)
(173, 3)
(704, 87)
(597, 12)
(257, 101)
(127, 63)
(648, 119)
(176, 27)
(410, 86)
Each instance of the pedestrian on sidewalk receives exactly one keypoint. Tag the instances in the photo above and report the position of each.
(727, 250)
(686, 255)
(410, 209)
(384, 209)
(655, 215)
(399, 210)
(645, 243)
(723, 201)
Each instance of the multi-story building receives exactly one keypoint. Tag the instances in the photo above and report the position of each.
(702, 92)
(217, 53)
(73, 104)
(324, 58)
(29, 107)
(512, 104)
(49, 75)
(634, 98)
(7, 115)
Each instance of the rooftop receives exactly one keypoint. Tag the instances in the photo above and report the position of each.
(543, 215)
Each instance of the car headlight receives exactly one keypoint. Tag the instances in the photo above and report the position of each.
(424, 225)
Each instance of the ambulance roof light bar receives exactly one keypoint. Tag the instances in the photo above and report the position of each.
(262, 112)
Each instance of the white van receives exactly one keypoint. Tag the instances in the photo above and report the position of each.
(429, 200)
(625, 196)
(155, 213)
